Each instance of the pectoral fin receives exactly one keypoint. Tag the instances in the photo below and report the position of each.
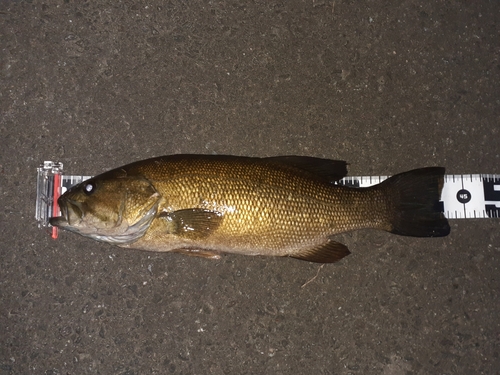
(329, 252)
(193, 223)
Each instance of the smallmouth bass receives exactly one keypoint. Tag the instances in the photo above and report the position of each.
(204, 205)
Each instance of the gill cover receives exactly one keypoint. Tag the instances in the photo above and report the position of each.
(112, 207)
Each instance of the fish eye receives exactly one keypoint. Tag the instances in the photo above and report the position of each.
(89, 188)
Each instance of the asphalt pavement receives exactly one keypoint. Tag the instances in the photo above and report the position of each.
(387, 86)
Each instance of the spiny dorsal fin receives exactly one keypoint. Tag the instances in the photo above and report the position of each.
(326, 169)
(329, 252)
(193, 223)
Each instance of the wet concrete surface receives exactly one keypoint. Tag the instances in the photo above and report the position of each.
(386, 87)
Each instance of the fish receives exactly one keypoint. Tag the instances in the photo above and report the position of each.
(207, 205)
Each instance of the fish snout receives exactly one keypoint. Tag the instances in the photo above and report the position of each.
(71, 213)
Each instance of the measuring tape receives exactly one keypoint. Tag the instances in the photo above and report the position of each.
(50, 185)
(471, 196)
(464, 196)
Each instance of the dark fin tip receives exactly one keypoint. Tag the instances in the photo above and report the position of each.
(414, 199)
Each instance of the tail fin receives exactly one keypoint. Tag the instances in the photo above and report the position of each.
(414, 201)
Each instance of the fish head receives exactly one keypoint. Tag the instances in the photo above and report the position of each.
(112, 207)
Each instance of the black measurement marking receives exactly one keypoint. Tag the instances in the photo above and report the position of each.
(464, 196)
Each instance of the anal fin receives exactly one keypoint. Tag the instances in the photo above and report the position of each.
(328, 252)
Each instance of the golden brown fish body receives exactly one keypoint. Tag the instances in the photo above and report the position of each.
(282, 206)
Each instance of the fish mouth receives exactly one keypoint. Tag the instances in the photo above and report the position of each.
(71, 213)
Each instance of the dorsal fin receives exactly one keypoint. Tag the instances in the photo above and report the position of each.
(326, 169)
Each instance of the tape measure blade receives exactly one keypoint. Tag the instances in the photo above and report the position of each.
(471, 196)
(476, 207)
(491, 185)
(463, 196)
